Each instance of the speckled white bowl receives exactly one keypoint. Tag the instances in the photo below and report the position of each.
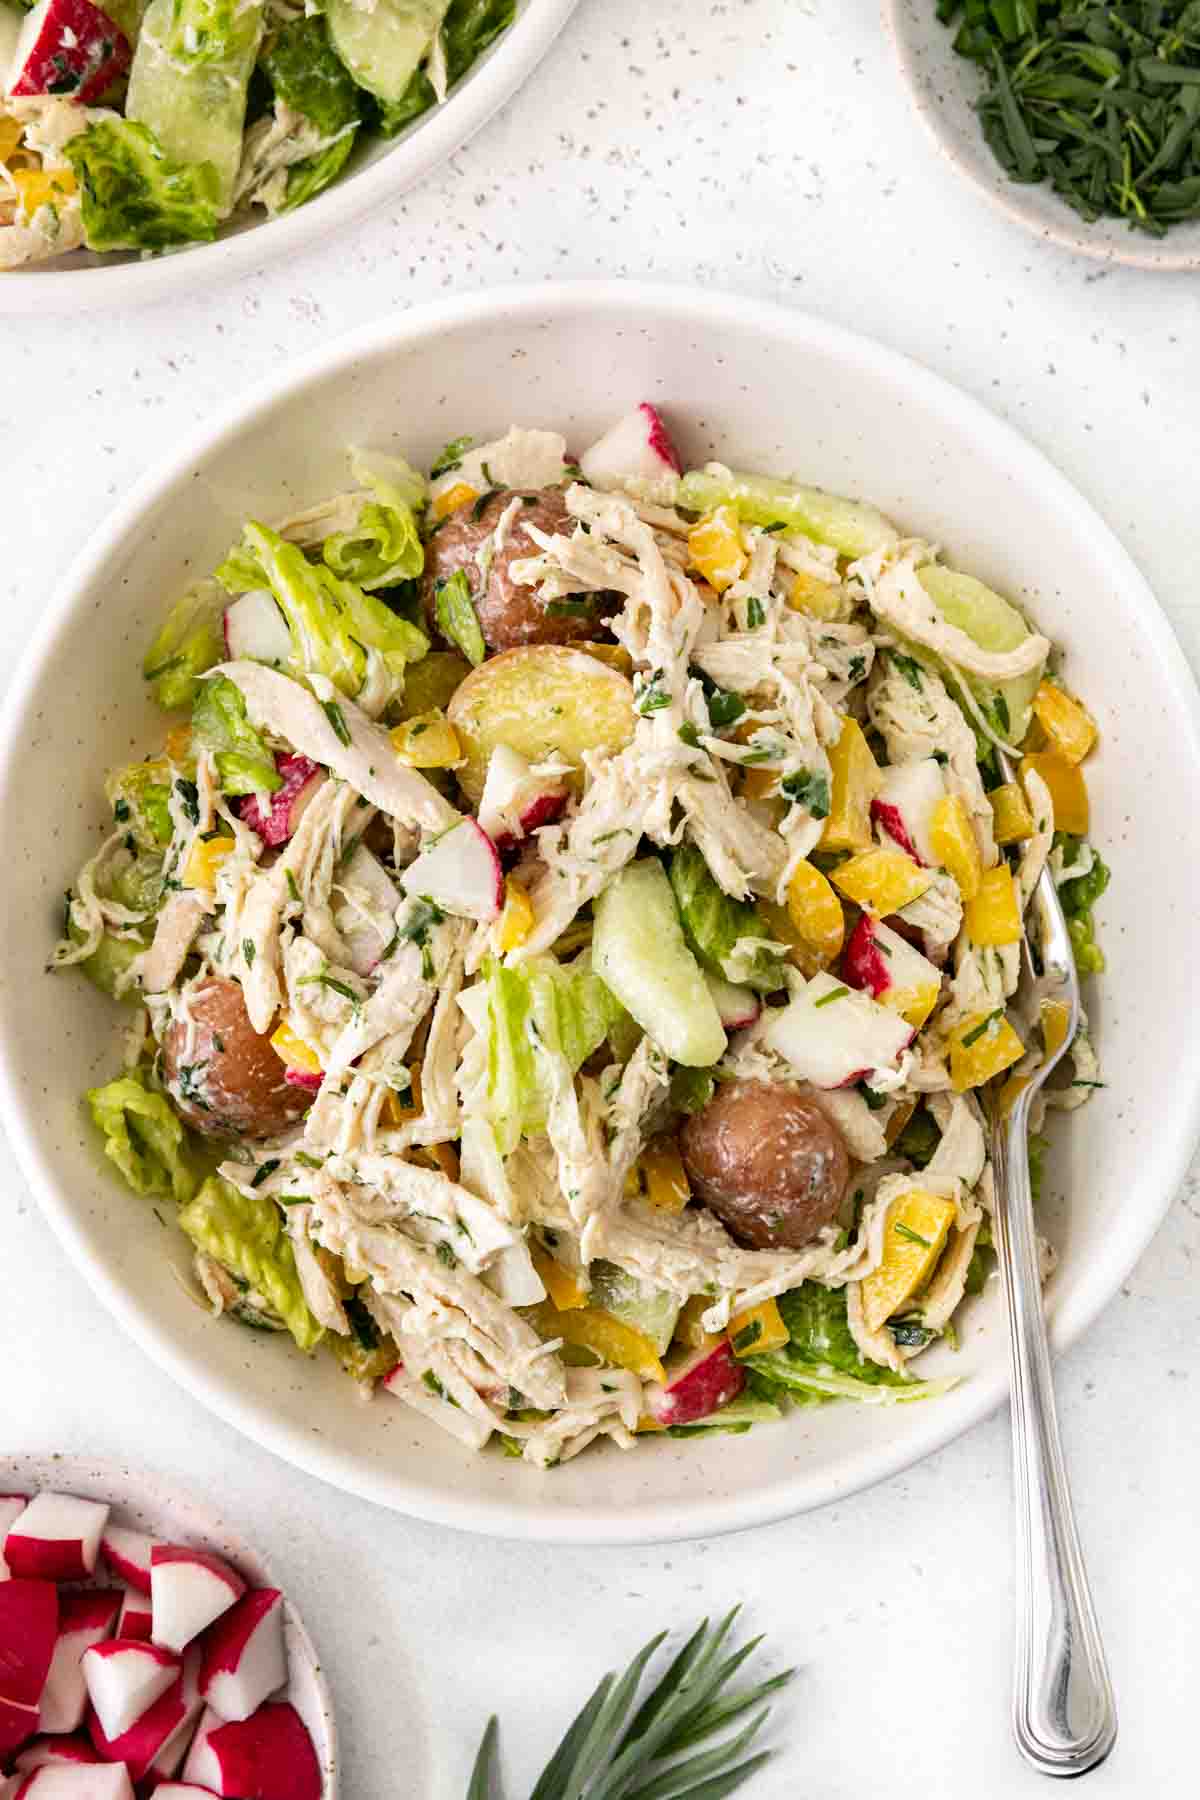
(944, 88)
(380, 170)
(145, 1501)
(760, 386)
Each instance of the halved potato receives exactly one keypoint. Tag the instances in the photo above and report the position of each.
(539, 700)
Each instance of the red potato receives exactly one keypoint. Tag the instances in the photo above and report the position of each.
(28, 1633)
(127, 1554)
(125, 1679)
(244, 1657)
(188, 1590)
(279, 818)
(56, 1538)
(764, 1158)
(706, 1379)
(43, 1750)
(68, 49)
(268, 1756)
(223, 1077)
(85, 1617)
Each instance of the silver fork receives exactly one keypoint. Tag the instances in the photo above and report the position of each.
(1064, 1713)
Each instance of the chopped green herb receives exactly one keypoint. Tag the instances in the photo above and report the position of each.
(910, 1236)
(810, 789)
(974, 1035)
(264, 1172)
(451, 457)
(293, 890)
(337, 719)
(446, 1256)
(457, 619)
(748, 1336)
(689, 735)
(248, 952)
(909, 668)
(189, 799)
(836, 993)
(756, 613)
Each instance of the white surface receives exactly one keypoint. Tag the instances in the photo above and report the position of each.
(772, 150)
(733, 377)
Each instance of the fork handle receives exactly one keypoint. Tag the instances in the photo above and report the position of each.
(1064, 1714)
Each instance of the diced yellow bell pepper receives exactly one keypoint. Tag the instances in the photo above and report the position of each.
(667, 1185)
(633, 1183)
(1068, 790)
(1009, 1094)
(1069, 727)
(614, 656)
(760, 783)
(398, 1109)
(1056, 1022)
(294, 1051)
(565, 1290)
(1012, 821)
(461, 494)
(881, 881)
(11, 133)
(646, 1423)
(446, 1159)
(955, 845)
(914, 1004)
(816, 913)
(854, 784)
(771, 1332)
(42, 187)
(819, 599)
(901, 1113)
(179, 744)
(427, 742)
(610, 1338)
(516, 920)
(716, 549)
(993, 917)
(689, 1326)
(204, 859)
(981, 1047)
(917, 1227)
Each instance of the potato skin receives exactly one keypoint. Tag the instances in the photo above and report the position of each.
(509, 615)
(234, 1083)
(768, 1162)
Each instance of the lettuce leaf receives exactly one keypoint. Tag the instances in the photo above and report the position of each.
(821, 1361)
(189, 642)
(1078, 899)
(246, 1235)
(143, 1136)
(133, 196)
(714, 923)
(219, 723)
(384, 547)
(308, 75)
(567, 1011)
(467, 30)
(307, 179)
(189, 82)
(139, 795)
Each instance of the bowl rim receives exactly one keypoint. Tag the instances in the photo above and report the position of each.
(1072, 233)
(1069, 1314)
(483, 90)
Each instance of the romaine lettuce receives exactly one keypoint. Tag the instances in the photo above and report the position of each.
(245, 1234)
(821, 1360)
(307, 179)
(1078, 899)
(244, 763)
(308, 76)
(139, 795)
(384, 547)
(110, 963)
(133, 196)
(713, 923)
(385, 45)
(467, 30)
(567, 1011)
(189, 80)
(189, 642)
(143, 1136)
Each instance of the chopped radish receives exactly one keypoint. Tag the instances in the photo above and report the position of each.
(124, 1680)
(17, 1722)
(697, 1385)
(54, 1750)
(127, 1554)
(57, 1537)
(256, 630)
(77, 1781)
(460, 872)
(158, 1738)
(68, 49)
(135, 1622)
(189, 1589)
(830, 1034)
(515, 801)
(11, 1508)
(170, 1756)
(201, 1765)
(278, 819)
(635, 454)
(268, 1756)
(85, 1617)
(904, 806)
(883, 964)
(364, 915)
(738, 1006)
(244, 1658)
(181, 1790)
(28, 1632)
(302, 1078)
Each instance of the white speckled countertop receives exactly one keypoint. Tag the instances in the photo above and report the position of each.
(766, 146)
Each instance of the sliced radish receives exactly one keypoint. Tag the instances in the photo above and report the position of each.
(696, 1385)
(28, 1633)
(127, 1554)
(181, 1790)
(135, 1622)
(268, 1756)
(461, 872)
(515, 801)
(367, 895)
(124, 1680)
(167, 1761)
(302, 1078)
(885, 965)
(17, 1723)
(160, 1735)
(256, 629)
(738, 1006)
(201, 1765)
(830, 1034)
(57, 1537)
(189, 1589)
(85, 1617)
(244, 1659)
(278, 819)
(68, 49)
(77, 1781)
(904, 806)
(54, 1750)
(637, 455)
(11, 1508)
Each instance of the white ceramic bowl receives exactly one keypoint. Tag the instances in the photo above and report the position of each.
(759, 386)
(143, 1501)
(379, 170)
(944, 87)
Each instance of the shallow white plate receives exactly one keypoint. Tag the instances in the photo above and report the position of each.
(144, 1501)
(759, 386)
(944, 88)
(380, 170)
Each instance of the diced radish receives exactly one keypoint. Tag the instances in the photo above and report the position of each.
(244, 1659)
(159, 1737)
(366, 894)
(189, 1589)
(738, 1006)
(461, 872)
(279, 819)
(124, 1680)
(85, 1617)
(127, 1554)
(169, 1757)
(635, 454)
(515, 801)
(268, 1756)
(54, 1750)
(11, 1508)
(68, 49)
(697, 1385)
(77, 1781)
(181, 1790)
(28, 1632)
(17, 1722)
(134, 1624)
(885, 965)
(201, 1765)
(256, 630)
(57, 1537)
(904, 806)
(831, 1034)
(302, 1078)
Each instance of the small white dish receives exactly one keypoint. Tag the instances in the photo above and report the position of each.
(144, 1501)
(944, 87)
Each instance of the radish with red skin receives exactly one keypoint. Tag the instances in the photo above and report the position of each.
(244, 1658)
(304, 1078)
(85, 1617)
(277, 817)
(56, 1538)
(11, 1508)
(832, 1035)
(268, 1756)
(737, 1006)
(884, 964)
(460, 872)
(189, 1589)
(125, 1679)
(28, 1633)
(127, 1554)
(256, 631)
(636, 453)
(18, 1723)
(135, 1622)
(75, 1749)
(158, 1738)
(695, 1387)
(904, 805)
(170, 1756)
(181, 1790)
(68, 49)
(77, 1781)
(515, 801)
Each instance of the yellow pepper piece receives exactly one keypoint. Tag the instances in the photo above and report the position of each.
(816, 913)
(981, 1047)
(610, 1338)
(1012, 821)
(427, 742)
(901, 1114)
(567, 1293)
(881, 881)
(819, 599)
(1069, 727)
(771, 1332)
(461, 494)
(294, 1051)
(1009, 1094)
(204, 859)
(993, 917)
(760, 783)
(914, 1004)
(42, 187)
(689, 1326)
(1056, 1021)
(516, 920)
(399, 1108)
(1068, 790)
(854, 784)
(179, 744)
(716, 549)
(614, 656)
(955, 845)
(917, 1227)
(667, 1186)
(11, 133)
